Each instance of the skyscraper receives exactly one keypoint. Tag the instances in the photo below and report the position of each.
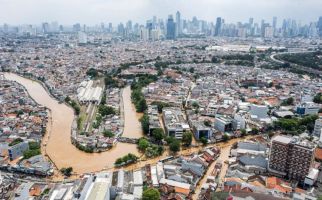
(319, 26)
(171, 28)
(178, 23)
(218, 26)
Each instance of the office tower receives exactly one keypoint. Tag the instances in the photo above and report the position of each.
(319, 26)
(76, 27)
(251, 22)
(274, 25)
(149, 27)
(218, 26)
(129, 26)
(45, 27)
(178, 23)
(171, 28)
(121, 29)
(110, 27)
(274, 22)
(154, 21)
(144, 33)
(54, 27)
(5, 28)
(82, 38)
(290, 157)
(269, 32)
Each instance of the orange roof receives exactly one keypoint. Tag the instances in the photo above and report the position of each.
(318, 153)
(253, 100)
(278, 184)
(182, 190)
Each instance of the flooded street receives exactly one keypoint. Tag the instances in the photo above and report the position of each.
(132, 127)
(59, 147)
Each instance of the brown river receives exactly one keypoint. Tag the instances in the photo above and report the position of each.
(58, 142)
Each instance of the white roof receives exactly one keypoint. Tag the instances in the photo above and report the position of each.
(175, 183)
(282, 139)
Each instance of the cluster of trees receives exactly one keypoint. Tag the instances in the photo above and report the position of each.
(247, 57)
(318, 98)
(139, 100)
(15, 141)
(145, 123)
(150, 150)
(288, 102)
(67, 171)
(160, 105)
(187, 139)
(110, 81)
(108, 133)
(73, 104)
(86, 149)
(34, 150)
(310, 59)
(151, 194)
(93, 73)
(125, 160)
(174, 144)
(106, 110)
(295, 125)
(137, 95)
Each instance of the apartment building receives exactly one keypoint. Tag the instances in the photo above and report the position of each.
(174, 122)
(290, 157)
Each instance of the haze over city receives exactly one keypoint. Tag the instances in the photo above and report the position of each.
(93, 12)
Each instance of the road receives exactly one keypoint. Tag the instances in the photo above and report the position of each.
(224, 155)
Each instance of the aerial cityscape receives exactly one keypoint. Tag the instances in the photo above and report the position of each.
(173, 107)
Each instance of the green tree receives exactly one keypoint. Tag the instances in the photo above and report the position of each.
(108, 134)
(145, 123)
(67, 171)
(92, 73)
(143, 144)
(204, 140)
(187, 138)
(318, 98)
(255, 131)
(242, 132)
(288, 102)
(175, 146)
(151, 194)
(106, 110)
(225, 137)
(158, 134)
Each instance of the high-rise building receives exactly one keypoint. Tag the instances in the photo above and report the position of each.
(319, 26)
(178, 23)
(318, 127)
(45, 27)
(290, 157)
(82, 38)
(274, 22)
(149, 27)
(269, 32)
(76, 27)
(218, 26)
(171, 28)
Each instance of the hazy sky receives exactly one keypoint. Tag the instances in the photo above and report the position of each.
(97, 11)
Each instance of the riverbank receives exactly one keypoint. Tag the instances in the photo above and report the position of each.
(59, 147)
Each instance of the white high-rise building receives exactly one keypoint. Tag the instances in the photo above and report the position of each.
(318, 127)
(144, 34)
(82, 38)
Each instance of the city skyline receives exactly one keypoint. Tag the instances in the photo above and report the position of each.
(94, 12)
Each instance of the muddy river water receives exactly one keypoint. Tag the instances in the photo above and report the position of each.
(58, 142)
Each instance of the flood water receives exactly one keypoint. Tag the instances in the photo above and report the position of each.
(132, 127)
(59, 147)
